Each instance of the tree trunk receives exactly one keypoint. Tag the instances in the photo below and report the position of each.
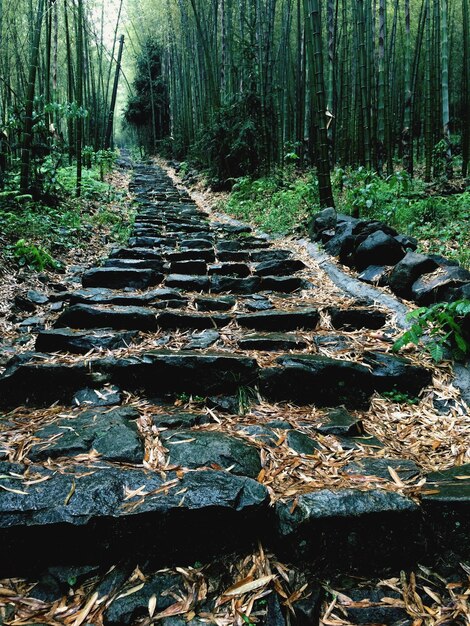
(112, 106)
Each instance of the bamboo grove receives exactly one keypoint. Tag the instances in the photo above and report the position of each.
(58, 84)
(377, 83)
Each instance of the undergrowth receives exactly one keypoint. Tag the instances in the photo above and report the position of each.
(283, 203)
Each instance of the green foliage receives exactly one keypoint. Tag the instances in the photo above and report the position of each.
(399, 396)
(447, 327)
(34, 256)
(276, 204)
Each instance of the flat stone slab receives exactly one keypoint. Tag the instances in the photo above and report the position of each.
(137, 264)
(31, 380)
(230, 269)
(355, 319)
(341, 423)
(283, 284)
(225, 303)
(245, 286)
(267, 256)
(100, 295)
(112, 433)
(118, 317)
(279, 267)
(203, 340)
(392, 372)
(188, 282)
(350, 525)
(198, 448)
(189, 268)
(272, 342)
(317, 379)
(136, 253)
(238, 257)
(81, 342)
(280, 320)
(373, 466)
(191, 255)
(118, 278)
(103, 514)
(151, 242)
(170, 320)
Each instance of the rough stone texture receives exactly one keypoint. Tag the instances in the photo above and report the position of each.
(355, 319)
(112, 433)
(351, 525)
(179, 420)
(230, 269)
(202, 340)
(215, 304)
(188, 283)
(137, 264)
(195, 449)
(373, 466)
(136, 253)
(170, 320)
(264, 256)
(97, 295)
(439, 285)
(106, 396)
(191, 255)
(375, 275)
(280, 320)
(118, 317)
(81, 342)
(321, 380)
(378, 249)
(324, 220)
(301, 443)
(235, 285)
(272, 342)
(340, 422)
(279, 267)
(407, 271)
(97, 523)
(189, 268)
(117, 278)
(283, 284)
(392, 372)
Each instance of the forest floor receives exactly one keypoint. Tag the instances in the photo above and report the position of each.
(389, 446)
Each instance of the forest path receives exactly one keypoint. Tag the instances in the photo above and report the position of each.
(207, 389)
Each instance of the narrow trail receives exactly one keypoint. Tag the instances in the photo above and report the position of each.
(204, 391)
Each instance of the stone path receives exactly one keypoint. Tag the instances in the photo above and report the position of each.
(102, 462)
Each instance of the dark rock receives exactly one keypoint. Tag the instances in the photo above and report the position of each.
(203, 340)
(111, 433)
(333, 343)
(238, 257)
(150, 242)
(340, 422)
(443, 261)
(188, 283)
(230, 269)
(32, 324)
(215, 304)
(374, 466)
(391, 372)
(350, 525)
(23, 303)
(117, 278)
(408, 270)
(227, 404)
(407, 243)
(106, 396)
(264, 256)
(58, 581)
(198, 448)
(259, 432)
(96, 295)
(318, 379)
(294, 319)
(343, 238)
(262, 304)
(308, 609)
(355, 319)
(235, 285)
(439, 285)
(368, 607)
(196, 244)
(272, 342)
(189, 268)
(378, 249)
(113, 580)
(235, 229)
(324, 220)
(135, 264)
(118, 317)
(279, 268)
(136, 253)
(191, 255)
(179, 420)
(129, 608)
(170, 320)
(283, 284)
(375, 275)
(81, 342)
(358, 443)
(301, 443)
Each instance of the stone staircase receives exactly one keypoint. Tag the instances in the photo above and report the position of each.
(102, 465)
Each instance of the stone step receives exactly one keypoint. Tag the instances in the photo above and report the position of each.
(279, 267)
(276, 320)
(35, 381)
(191, 255)
(188, 282)
(117, 317)
(272, 342)
(119, 278)
(145, 264)
(151, 242)
(169, 320)
(136, 253)
(355, 319)
(230, 269)
(97, 295)
(81, 342)
(188, 268)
